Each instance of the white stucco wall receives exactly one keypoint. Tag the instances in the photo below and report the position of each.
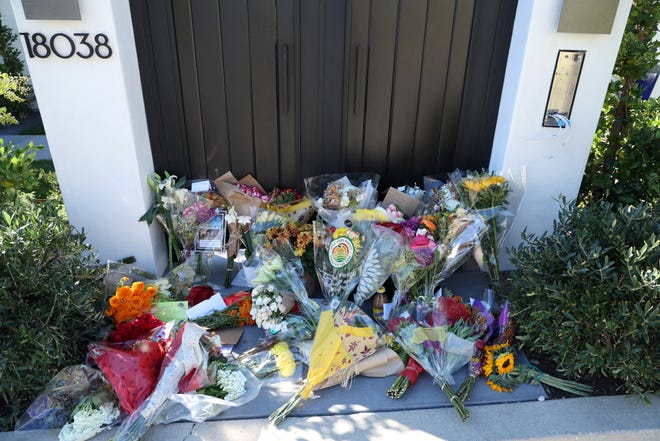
(93, 112)
(554, 165)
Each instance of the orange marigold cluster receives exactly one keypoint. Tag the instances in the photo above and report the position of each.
(130, 301)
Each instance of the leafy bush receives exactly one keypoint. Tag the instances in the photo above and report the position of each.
(587, 294)
(20, 173)
(624, 161)
(51, 299)
(11, 64)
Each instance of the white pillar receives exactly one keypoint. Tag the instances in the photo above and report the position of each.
(94, 116)
(554, 165)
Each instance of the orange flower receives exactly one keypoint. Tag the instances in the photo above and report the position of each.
(115, 301)
(137, 287)
(428, 224)
(123, 292)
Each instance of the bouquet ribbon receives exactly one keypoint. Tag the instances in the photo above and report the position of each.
(412, 371)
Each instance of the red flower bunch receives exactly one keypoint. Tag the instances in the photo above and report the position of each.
(449, 311)
(284, 195)
(135, 328)
(198, 294)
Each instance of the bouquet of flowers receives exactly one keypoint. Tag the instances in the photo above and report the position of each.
(343, 338)
(52, 408)
(436, 245)
(238, 227)
(91, 415)
(487, 194)
(134, 328)
(277, 360)
(179, 211)
(269, 307)
(503, 374)
(130, 301)
(291, 203)
(227, 381)
(439, 334)
(379, 261)
(338, 257)
(184, 364)
(278, 266)
(334, 195)
(301, 238)
(132, 367)
(237, 313)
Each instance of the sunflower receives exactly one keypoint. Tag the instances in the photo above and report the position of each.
(499, 366)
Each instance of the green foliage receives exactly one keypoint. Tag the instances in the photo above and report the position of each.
(12, 66)
(587, 295)
(623, 166)
(17, 173)
(51, 300)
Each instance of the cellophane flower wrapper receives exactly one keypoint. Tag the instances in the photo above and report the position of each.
(335, 195)
(132, 367)
(379, 261)
(424, 331)
(52, 408)
(338, 257)
(342, 339)
(96, 412)
(183, 369)
(197, 407)
(465, 232)
(264, 365)
(280, 267)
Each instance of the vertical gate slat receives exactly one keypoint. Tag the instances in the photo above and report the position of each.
(405, 94)
(211, 77)
(332, 114)
(236, 51)
(311, 56)
(357, 43)
(437, 45)
(479, 61)
(263, 38)
(460, 44)
(382, 44)
(286, 11)
(190, 88)
(505, 20)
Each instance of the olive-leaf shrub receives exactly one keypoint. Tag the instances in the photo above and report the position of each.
(51, 299)
(587, 294)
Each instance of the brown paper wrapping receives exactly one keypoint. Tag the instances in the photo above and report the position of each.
(245, 205)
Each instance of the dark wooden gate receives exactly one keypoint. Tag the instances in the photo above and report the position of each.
(286, 89)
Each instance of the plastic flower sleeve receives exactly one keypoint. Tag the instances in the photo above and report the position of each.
(379, 262)
(183, 361)
(199, 407)
(342, 339)
(338, 258)
(51, 409)
(280, 267)
(467, 230)
(335, 195)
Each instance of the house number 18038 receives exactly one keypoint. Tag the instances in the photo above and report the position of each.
(62, 45)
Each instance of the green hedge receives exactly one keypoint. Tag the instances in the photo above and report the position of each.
(587, 294)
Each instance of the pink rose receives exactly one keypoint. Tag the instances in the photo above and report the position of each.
(422, 243)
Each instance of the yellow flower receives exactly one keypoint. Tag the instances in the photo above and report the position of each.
(284, 360)
(350, 234)
(497, 387)
(505, 363)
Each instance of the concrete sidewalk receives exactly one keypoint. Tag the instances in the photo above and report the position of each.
(610, 418)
